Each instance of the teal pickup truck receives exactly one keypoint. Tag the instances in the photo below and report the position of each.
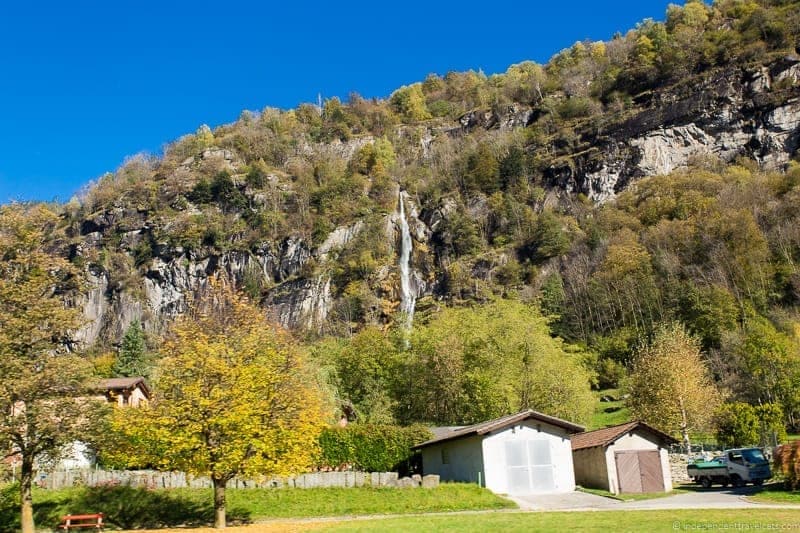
(736, 467)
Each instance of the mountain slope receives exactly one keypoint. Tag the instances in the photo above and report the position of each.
(300, 207)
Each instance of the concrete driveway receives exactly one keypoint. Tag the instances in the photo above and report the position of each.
(713, 498)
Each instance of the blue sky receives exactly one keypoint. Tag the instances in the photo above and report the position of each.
(83, 84)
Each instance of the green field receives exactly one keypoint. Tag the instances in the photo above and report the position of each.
(686, 520)
(138, 508)
(130, 508)
(608, 413)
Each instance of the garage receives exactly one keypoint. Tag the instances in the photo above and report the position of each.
(628, 458)
(639, 471)
(529, 466)
(524, 453)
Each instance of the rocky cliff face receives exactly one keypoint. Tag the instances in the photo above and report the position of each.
(753, 113)
(293, 297)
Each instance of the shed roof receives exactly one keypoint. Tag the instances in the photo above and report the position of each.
(123, 384)
(604, 437)
(457, 432)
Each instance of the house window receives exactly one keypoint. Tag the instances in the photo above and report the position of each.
(445, 456)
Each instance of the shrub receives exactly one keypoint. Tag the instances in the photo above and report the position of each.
(9, 508)
(578, 107)
(369, 447)
(787, 463)
(221, 190)
(737, 425)
(610, 373)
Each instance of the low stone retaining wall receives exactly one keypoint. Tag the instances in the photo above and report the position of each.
(677, 464)
(171, 480)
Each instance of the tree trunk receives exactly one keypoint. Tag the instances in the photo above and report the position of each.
(219, 502)
(687, 443)
(25, 482)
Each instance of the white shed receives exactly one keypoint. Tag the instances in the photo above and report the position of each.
(630, 457)
(524, 453)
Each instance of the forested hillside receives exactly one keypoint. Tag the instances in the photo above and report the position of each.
(558, 213)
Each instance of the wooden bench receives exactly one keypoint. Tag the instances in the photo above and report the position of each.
(75, 521)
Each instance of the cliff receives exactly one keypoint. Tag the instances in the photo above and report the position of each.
(729, 113)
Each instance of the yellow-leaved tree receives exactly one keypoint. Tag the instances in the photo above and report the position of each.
(232, 396)
(670, 385)
(44, 403)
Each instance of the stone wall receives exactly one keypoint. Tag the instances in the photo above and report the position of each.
(169, 480)
(677, 464)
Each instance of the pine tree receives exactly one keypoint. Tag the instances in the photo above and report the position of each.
(132, 359)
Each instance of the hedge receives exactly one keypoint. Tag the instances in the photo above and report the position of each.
(369, 447)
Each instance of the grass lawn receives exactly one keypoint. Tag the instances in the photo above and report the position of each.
(774, 493)
(130, 508)
(608, 413)
(683, 520)
(341, 502)
(792, 437)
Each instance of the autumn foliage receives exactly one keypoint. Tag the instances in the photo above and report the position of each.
(232, 396)
(39, 382)
(787, 463)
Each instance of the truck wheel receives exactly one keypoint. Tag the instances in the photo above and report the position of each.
(736, 481)
(724, 483)
(705, 482)
(758, 482)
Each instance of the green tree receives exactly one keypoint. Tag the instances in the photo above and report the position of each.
(708, 312)
(551, 237)
(364, 367)
(132, 359)
(670, 386)
(771, 359)
(512, 167)
(469, 365)
(409, 102)
(41, 386)
(624, 285)
(375, 159)
(772, 426)
(483, 170)
(232, 396)
(737, 425)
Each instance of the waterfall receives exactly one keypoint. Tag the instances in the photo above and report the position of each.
(409, 295)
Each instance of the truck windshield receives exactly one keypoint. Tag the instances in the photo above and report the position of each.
(753, 456)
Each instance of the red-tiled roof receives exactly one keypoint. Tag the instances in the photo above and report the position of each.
(445, 434)
(604, 437)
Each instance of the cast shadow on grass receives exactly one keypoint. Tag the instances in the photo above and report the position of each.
(130, 508)
(9, 509)
(124, 507)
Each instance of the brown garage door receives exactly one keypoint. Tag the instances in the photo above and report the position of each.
(639, 471)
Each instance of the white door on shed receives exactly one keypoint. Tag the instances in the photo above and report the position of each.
(529, 466)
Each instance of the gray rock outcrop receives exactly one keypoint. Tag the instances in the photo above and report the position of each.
(754, 113)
